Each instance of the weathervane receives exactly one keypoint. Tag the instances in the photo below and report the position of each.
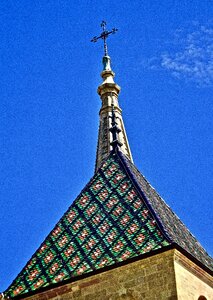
(104, 35)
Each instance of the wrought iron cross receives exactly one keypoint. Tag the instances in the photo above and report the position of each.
(104, 35)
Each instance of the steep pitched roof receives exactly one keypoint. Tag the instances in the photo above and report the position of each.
(175, 230)
(117, 216)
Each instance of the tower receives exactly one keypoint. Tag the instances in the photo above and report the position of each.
(118, 239)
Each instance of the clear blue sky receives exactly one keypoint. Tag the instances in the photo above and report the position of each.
(163, 59)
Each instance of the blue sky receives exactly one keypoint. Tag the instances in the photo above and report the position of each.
(163, 59)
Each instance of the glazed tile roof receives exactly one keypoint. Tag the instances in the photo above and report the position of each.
(117, 216)
(175, 229)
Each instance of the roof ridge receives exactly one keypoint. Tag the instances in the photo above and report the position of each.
(140, 191)
(194, 250)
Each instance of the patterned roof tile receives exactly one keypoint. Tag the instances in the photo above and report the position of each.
(116, 217)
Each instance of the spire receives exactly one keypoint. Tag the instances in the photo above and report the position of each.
(110, 110)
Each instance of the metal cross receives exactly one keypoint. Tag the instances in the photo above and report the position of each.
(104, 35)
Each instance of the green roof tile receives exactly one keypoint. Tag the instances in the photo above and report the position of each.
(112, 220)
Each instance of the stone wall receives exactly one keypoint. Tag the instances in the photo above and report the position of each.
(192, 282)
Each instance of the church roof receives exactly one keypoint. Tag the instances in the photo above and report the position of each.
(117, 216)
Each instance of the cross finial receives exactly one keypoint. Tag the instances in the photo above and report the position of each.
(104, 35)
